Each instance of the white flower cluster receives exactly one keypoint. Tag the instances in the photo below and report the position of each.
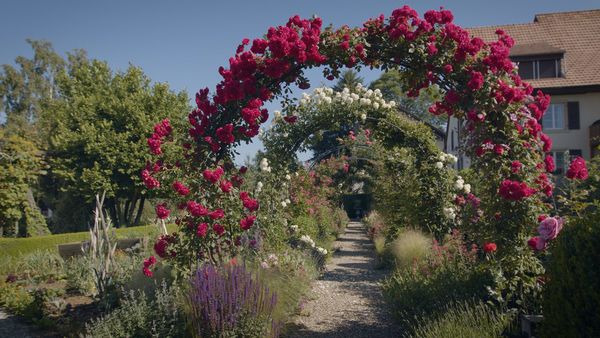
(450, 213)
(264, 165)
(307, 240)
(259, 186)
(461, 185)
(361, 96)
(293, 227)
(322, 251)
(286, 202)
(444, 158)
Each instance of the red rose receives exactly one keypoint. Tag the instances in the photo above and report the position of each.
(489, 247)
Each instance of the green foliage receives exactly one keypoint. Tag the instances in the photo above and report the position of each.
(465, 320)
(572, 293)
(390, 84)
(97, 128)
(448, 275)
(20, 166)
(140, 315)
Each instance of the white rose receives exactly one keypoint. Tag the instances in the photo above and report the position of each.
(287, 201)
(288, 177)
(467, 188)
(363, 117)
(283, 204)
(439, 165)
(375, 105)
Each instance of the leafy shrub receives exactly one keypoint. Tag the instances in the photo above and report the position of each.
(464, 320)
(230, 302)
(15, 298)
(142, 316)
(79, 276)
(411, 247)
(572, 293)
(448, 275)
(37, 266)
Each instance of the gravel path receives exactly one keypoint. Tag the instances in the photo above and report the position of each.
(10, 326)
(347, 299)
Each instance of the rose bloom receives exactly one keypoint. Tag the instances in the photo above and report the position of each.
(536, 243)
(549, 228)
(490, 247)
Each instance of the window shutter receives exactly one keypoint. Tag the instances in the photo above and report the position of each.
(573, 115)
(574, 153)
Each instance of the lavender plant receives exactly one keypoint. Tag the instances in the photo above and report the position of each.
(231, 302)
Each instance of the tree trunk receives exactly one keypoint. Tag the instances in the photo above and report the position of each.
(131, 209)
(138, 216)
(126, 213)
(119, 220)
(113, 212)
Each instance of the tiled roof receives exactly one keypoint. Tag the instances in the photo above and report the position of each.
(575, 33)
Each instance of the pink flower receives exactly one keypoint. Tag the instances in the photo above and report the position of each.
(577, 169)
(161, 211)
(149, 181)
(196, 209)
(549, 228)
(154, 143)
(537, 243)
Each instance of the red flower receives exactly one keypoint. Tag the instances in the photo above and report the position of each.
(196, 209)
(499, 149)
(162, 244)
(577, 169)
(243, 169)
(219, 229)
(515, 166)
(489, 247)
(247, 222)
(476, 81)
(537, 243)
(154, 143)
(181, 188)
(226, 186)
(290, 119)
(225, 134)
(515, 190)
(549, 162)
(217, 214)
(547, 142)
(213, 176)
(161, 211)
(201, 229)
(149, 181)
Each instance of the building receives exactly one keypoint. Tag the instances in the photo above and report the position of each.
(558, 53)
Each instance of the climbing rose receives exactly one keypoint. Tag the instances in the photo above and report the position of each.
(489, 247)
(217, 214)
(247, 222)
(476, 81)
(161, 211)
(213, 176)
(219, 229)
(225, 134)
(577, 169)
(515, 166)
(181, 188)
(149, 181)
(201, 229)
(226, 186)
(536, 243)
(154, 144)
(549, 228)
(249, 203)
(549, 162)
(148, 263)
(161, 245)
(514, 190)
(196, 209)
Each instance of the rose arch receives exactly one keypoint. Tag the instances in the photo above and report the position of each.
(195, 174)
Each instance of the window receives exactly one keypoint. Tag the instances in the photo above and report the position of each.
(555, 117)
(533, 69)
(562, 159)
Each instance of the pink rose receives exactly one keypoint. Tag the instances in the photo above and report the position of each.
(536, 243)
(549, 228)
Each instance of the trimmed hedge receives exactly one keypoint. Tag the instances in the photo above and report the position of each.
(16, 247)
(572, 294)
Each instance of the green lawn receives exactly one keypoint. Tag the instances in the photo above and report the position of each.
(15, 247)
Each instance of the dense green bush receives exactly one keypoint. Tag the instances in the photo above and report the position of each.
(572, 293)
(464, 320)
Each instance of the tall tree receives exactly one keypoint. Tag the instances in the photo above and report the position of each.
(23, 89)
(349, 79)
(97, 129)
(390, 85)
(20, 166)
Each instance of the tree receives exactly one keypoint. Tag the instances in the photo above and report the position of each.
(349, 79)
(97, 129)
(390, 85)
(20, 166)
(23, 89)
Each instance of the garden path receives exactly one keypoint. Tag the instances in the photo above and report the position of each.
(348, 301)
(10, 326)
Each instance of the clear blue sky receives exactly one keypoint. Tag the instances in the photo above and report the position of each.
(184, 42)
